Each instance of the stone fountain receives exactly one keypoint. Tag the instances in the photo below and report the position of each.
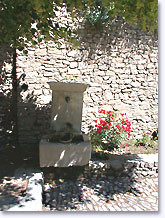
(65, 145)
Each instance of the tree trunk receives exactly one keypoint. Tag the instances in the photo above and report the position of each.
(14, 122)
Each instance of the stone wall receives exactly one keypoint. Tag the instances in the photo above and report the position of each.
(120, 64)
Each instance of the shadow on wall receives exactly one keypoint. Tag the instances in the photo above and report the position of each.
(117, 35)
(5, 61)
(33, 121)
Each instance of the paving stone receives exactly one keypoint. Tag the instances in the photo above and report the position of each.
(110, 207)
(124, 209)
(154, 194)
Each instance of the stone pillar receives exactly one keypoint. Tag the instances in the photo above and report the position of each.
(67, 103)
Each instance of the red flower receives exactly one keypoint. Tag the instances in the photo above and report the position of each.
(103, 122)
(99, 131)
(101, 111)
(123, 127)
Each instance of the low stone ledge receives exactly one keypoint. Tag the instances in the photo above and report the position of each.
(33, 199)
(141, 166)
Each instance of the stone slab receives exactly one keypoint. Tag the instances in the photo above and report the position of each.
(67, 87)
(64, 155)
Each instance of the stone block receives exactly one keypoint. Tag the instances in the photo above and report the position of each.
(116, 165)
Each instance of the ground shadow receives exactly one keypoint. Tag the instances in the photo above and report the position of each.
(71, 187)
(11, 191)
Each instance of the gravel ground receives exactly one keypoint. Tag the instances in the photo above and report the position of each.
(101, 192)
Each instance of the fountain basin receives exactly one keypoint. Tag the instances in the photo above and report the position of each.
(64, 154)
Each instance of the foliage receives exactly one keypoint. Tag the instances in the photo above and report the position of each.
(146, 140)
(142, 12)
(32, 21)
(110, 129)
(155, 135)
(98, 14)
(2, 77)
(145, 145)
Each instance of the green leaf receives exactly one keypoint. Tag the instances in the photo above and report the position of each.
(25, 51)
(39, 40)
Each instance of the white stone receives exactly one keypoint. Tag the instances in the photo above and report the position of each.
(132, 67)
(140, 67)
(74, 72)
(135, 84)
(108, 95)
(120, 65)
(55, 51)
(73, 65)
(110, 73)
(72, 53)
(151, 65)
(66, 62)
(82, 65)
(137, 57)
(127, 81)
(48, 73)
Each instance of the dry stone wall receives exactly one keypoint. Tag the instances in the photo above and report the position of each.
(120, 64)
